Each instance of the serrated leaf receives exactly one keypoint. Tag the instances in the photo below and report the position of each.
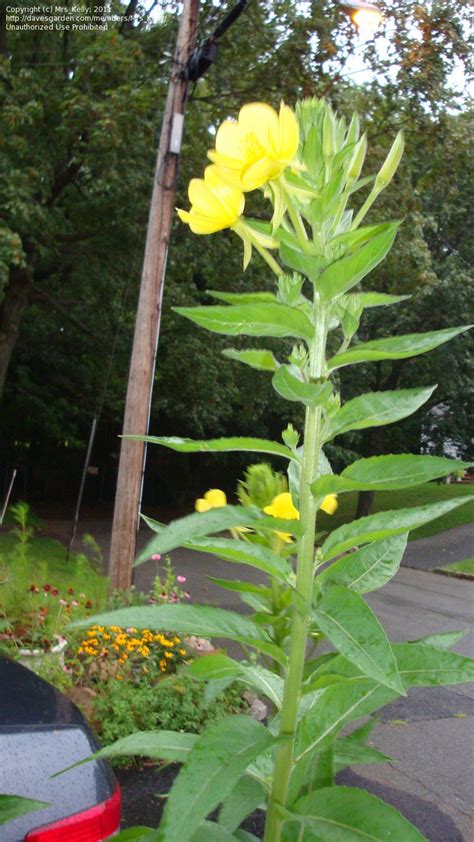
(293, 389)
(368, 568)
(346, 272)
(267, 319)
(376, 409)
(384, 524)
(200, 620)
(201, 524)
(425, 666)
(355, 631)
(246, 796)
(13, 806)
(212, 770)
(395, 347)
(240, 552)
(261, 360)
(346, 814)
(236, 443)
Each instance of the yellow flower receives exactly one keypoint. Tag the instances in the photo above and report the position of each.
(213, 499)
(182, 651)
(257, 147)
(282, 507)
(168, 654)
(329, 504)
(214, 204)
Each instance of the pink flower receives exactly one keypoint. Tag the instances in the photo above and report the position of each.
(63, 602)
(181, 579)
(75, 603)
(156, 557)
(187, 595)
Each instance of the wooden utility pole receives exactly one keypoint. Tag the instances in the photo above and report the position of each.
(147, 324)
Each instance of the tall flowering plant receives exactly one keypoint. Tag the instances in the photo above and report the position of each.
(308, 164)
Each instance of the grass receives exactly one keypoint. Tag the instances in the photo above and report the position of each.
(47, 558)
(421, 495)
(465, 567)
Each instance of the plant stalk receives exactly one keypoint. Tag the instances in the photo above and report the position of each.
(304, 585)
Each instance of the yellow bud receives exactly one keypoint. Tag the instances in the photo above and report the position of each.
(389, 167)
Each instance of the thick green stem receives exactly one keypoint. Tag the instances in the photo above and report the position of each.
(304, 584)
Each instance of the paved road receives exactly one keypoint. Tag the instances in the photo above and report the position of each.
(456, 544)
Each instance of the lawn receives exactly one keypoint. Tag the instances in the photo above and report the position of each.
(421, 495)
(48, 561)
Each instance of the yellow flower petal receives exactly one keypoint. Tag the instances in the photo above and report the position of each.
(261, 120)
(216, 498)
(329, 504)
(259, 173)
(213, 499)
(282, 507)
(288, 133)
(228, 142)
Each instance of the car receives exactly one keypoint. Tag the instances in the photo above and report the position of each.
(41, 733)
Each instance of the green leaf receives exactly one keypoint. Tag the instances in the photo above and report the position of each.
(445, 640)
(424, 666)
(346, 814)
(218, 445)
(308, 265)
(172, 746)
(243, 552)
(352, 749)
(377, 299)
(200, 620)
(395, 347)
(262, 360)
(246, 796)
(240, 587)
(245, 836)
(359, 236)
(377, 408)
(13, 806)
(221, 666)
(136, 834)
(200, 524)
(243, 297)
(368, 568)
(345, 273)
(355, 631)
(384, 524)
(212, 770)
(212, 832)
(329, 709)
(270, 319)
(293, 389)
(387, 473)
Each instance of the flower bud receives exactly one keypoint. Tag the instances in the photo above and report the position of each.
(329, 134)
(357, 160)
(353, 131)
(389, 167)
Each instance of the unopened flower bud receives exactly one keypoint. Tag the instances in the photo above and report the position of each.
(357, 160)
(329, 134)
(389, 167)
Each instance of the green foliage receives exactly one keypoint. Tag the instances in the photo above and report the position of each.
(260, 485)
(175, 704)
(12, 806)
(317, 216)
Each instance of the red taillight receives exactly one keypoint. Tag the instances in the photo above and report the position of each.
(92, 825)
